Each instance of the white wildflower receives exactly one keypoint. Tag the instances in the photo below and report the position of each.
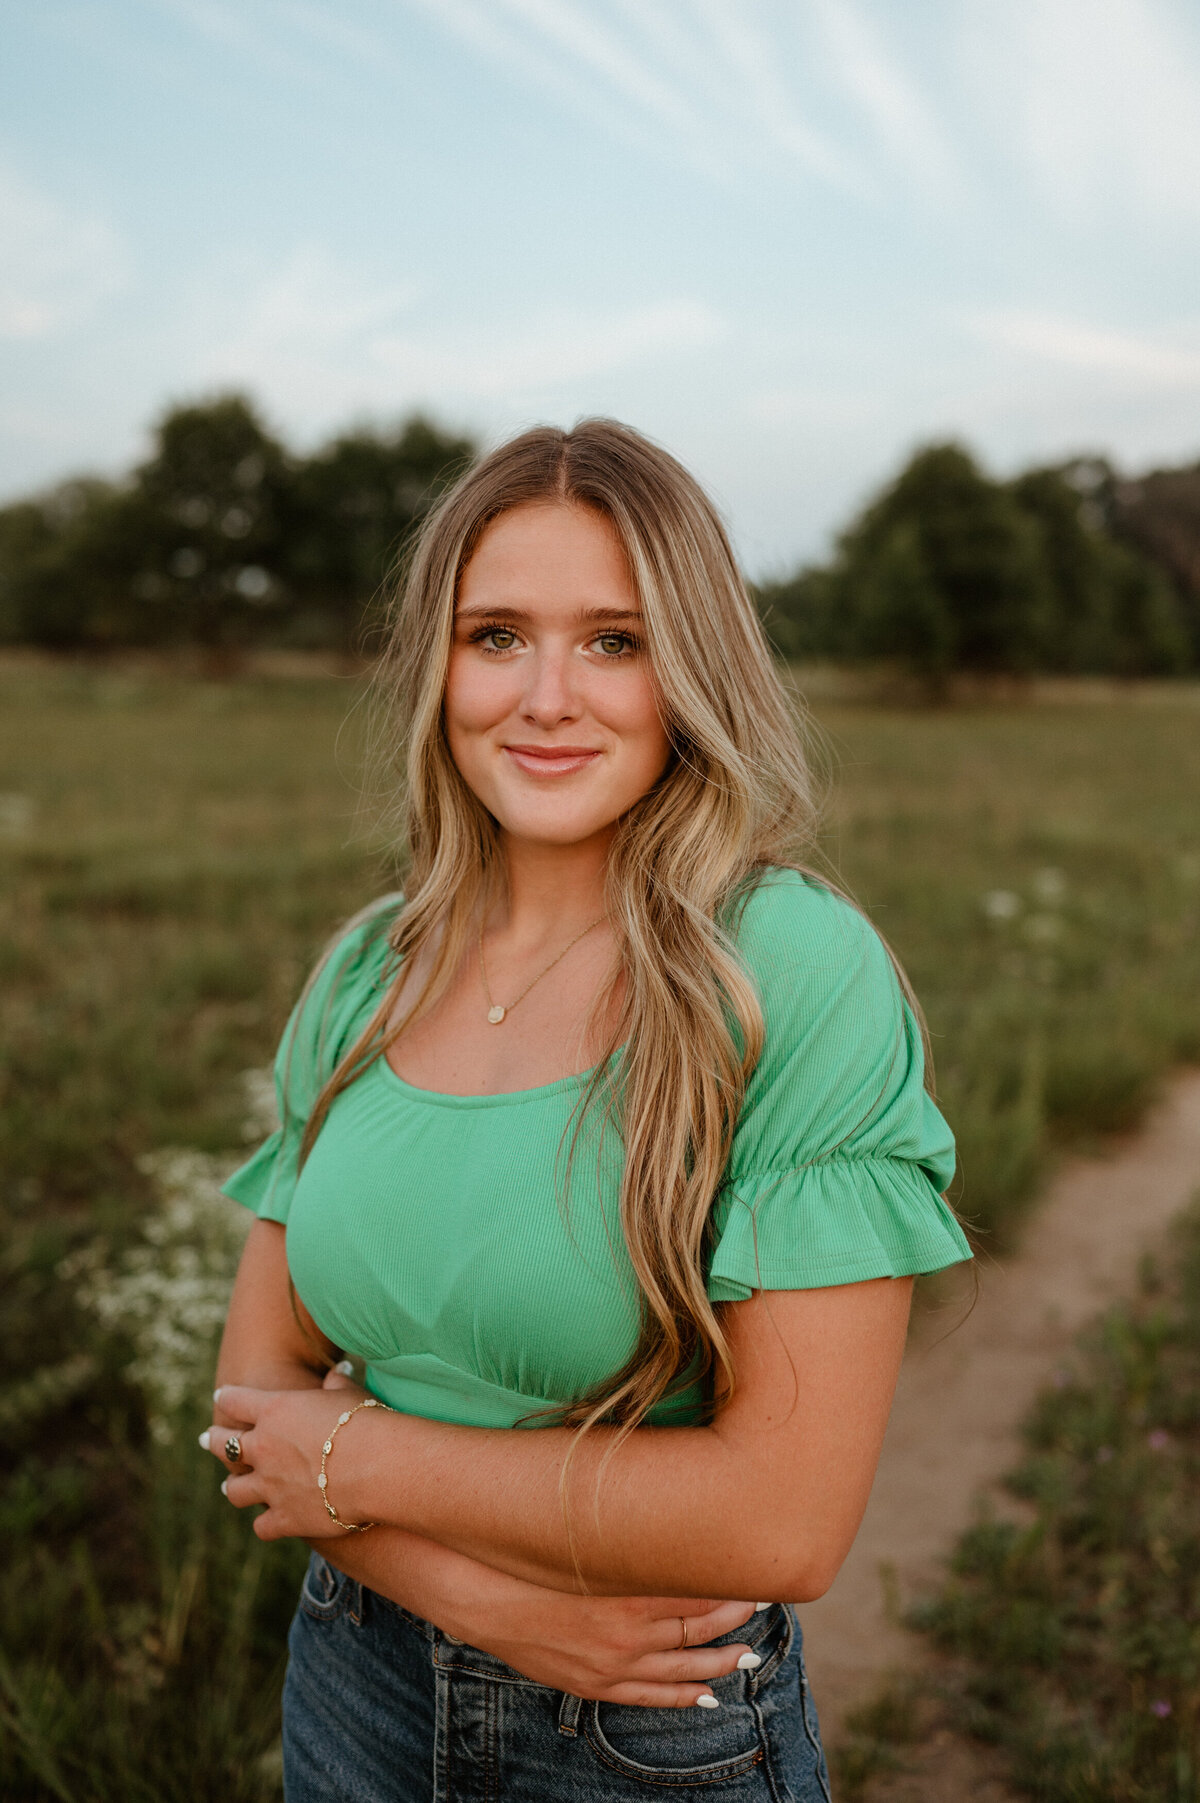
(1050, 887)
(1001, 904)
(16, 814)
(169, 1293)
(1043, 929)
(258, 1099)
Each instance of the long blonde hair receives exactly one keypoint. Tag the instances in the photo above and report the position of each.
(737, 796)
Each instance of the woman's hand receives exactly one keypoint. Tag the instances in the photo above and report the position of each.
(279, 1435)
(614, 1649)
(611, 1649)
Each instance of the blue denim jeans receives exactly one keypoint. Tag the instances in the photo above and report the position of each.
(382, 1707)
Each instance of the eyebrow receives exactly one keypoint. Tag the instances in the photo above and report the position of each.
(585, 615)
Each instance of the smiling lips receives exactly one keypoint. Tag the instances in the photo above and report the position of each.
(552, 760)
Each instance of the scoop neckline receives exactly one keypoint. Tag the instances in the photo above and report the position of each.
(440, 1098)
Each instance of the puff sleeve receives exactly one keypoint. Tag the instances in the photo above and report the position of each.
(336, 1004)
(840, 1155)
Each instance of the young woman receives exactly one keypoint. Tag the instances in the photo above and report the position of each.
(612, 1129)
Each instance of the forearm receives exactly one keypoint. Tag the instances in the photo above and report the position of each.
(675, 1511)
(456, 1592)
(764, 1502)
(269, 1370)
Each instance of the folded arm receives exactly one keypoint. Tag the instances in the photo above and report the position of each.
(764, 1502)
(616, 1649)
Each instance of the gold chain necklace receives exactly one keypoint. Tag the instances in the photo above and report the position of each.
(496, 1011)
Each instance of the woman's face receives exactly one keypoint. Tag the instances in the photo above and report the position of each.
(551, 709)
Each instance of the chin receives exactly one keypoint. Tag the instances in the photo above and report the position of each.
(553, 832)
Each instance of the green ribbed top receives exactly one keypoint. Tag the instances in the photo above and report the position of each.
(433, 1235)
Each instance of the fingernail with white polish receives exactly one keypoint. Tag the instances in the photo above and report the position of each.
(205, 1441)
(708, 1701)
(749, 1662)
(224, 1486)
(345, 1367)
(764, 1605)
(216, 1395)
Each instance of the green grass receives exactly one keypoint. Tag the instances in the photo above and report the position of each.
(1077, 1628)
(172, 854)
(1052, 1022)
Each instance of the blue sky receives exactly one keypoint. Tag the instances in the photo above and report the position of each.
(791, 241)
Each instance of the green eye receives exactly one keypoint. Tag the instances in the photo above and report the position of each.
(613, 643)
(502, 639)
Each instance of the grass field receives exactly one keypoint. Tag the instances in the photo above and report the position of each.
(172, 855)
(1075, 1631)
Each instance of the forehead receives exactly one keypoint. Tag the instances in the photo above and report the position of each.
(549, 553)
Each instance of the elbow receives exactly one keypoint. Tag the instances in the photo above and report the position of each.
(801, 1583)
(800, 1570)
(810, 1583)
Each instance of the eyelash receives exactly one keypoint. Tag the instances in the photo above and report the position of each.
(630, 641)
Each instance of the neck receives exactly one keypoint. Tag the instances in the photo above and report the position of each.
(552, 889)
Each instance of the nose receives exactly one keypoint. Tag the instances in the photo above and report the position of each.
(551, 694)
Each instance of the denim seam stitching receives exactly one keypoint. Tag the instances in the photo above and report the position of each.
(717, 1773)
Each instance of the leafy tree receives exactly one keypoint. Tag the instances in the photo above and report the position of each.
(355, 504)
(974, 548)
(1159, 515)
(65, 567)
(905, 613)
(209, 515)
(1113, 611)
(799, 614)
(1078, 564)
(1150, 635)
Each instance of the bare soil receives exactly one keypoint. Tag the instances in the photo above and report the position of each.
(963, 1391)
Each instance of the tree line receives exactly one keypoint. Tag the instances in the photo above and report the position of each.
(222, 538)
(1065, 569)
(225, 539)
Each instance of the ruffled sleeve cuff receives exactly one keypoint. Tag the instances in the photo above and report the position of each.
(266, 1181)
(837, 1220)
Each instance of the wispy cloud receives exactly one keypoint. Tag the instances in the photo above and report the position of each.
(748, 51)
(1099, 99)
(318, 341)
(547, 66)
(584, 38)
(555, 349)
(884, 91)
(1074, 344)
(58, 265)
(710, 85)
(302, 335)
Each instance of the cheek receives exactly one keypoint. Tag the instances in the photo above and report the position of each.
(637, 721)
(477, 695)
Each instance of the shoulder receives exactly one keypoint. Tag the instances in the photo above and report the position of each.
(791, 930)
(344, 984)
(361, 945)
(842, 1060)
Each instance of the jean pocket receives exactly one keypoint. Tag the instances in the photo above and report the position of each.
(326, 1592)
(678, 1747)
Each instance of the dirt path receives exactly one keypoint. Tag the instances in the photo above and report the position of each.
(961, 1397)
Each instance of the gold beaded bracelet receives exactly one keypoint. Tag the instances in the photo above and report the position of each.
(351, 1527)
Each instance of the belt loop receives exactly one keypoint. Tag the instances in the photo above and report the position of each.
(568, 1715)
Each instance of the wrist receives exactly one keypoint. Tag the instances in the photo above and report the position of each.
(371, 1469)
(348, 1514)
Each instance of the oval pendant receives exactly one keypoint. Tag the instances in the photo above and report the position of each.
(496, 1015)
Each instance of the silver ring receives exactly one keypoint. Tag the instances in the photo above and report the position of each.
(233, 1450)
